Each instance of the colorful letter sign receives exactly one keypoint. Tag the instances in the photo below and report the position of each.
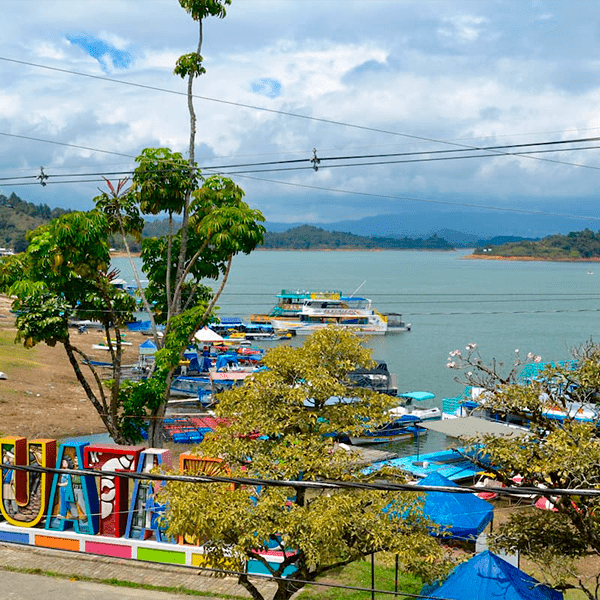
(25, 494)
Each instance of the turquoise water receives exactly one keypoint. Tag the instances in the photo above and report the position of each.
(540, 307)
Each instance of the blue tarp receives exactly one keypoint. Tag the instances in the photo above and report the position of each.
(225, 360)
(488, 577)
(463, 516)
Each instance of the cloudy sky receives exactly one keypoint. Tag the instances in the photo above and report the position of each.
(349, 78)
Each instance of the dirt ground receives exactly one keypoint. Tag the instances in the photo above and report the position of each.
(40, 397)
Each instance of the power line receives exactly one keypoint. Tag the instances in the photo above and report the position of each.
(323, 484)
(423, 200)
(271, 110)
(329, 158)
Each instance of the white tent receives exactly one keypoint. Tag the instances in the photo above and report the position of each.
(206, 336)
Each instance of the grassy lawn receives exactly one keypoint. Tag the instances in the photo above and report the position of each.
(358, 574)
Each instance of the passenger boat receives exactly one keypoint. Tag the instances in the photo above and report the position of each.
(289, 304)
(291, 308)
(354, 313)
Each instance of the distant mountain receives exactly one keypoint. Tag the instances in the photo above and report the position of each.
(17, 217)
(474, 224)
(308, 237)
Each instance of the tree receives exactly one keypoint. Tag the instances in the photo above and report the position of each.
(290, 405)
(558, 453)
(216, 225)
(64, 274)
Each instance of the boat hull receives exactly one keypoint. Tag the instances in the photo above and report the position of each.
(407, 433)
(307, 329)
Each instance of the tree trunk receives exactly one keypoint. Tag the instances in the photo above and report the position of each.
(245, 582)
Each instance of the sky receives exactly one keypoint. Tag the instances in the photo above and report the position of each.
(286, 79)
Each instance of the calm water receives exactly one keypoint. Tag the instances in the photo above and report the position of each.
(542, 307)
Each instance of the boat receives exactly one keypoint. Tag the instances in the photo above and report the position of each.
(397, 430)
(289, 304)
(424, 413)
(454, 464)
(378, 379)
(353, 313)
(291, 309)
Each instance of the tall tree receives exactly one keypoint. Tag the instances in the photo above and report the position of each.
(292, 406)
(217, 224)
(560, 402)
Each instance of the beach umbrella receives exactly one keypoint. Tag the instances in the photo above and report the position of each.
(488, 577)
(206, 335)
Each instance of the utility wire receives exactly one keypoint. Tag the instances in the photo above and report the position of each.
(270, 110)
(325, 484)
(422, 200)
(331, 158)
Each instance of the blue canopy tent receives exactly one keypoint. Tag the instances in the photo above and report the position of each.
(463, 516)
(488, 577)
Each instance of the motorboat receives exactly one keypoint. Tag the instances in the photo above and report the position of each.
(406, 407)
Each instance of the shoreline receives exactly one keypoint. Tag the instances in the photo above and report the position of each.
(530, 258)
(123, 254)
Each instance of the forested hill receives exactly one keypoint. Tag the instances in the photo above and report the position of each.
(577, 245)
(17, 217)
(308, 237)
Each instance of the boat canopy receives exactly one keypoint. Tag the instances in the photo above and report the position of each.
(418, 395)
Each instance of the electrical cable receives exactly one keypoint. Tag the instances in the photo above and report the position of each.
(332, 158)
(422, 200)
(268, 110)
(325, 484)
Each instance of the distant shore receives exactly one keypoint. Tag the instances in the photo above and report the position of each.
(530, 258)
(121, 254)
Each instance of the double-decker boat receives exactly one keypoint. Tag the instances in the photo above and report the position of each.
(289, 304)
(354, 313)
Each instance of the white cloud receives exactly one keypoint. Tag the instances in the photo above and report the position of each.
(463, 28)
(434, 71)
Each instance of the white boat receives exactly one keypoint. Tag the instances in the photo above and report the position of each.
(353, 313)
(424, 413)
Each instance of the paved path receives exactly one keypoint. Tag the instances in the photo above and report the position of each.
(103, 568)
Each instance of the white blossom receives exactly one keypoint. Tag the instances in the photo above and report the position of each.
(451, 365)
(537, 359)
(471, 346)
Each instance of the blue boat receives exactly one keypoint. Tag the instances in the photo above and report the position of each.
(403, 428)
(451, 463)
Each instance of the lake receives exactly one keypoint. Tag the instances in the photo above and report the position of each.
(541, 307)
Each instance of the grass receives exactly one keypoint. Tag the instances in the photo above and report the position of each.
(358, 574)
(14, 356)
